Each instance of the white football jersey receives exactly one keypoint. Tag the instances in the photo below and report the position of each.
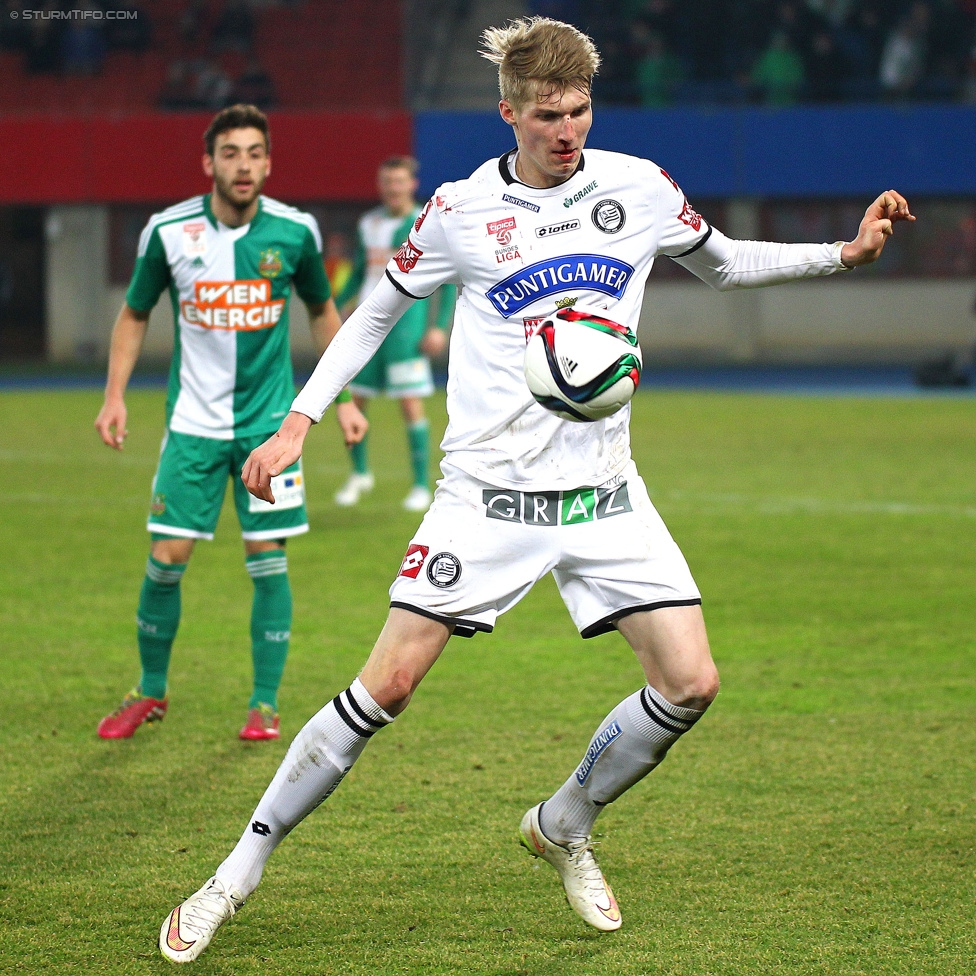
(519, 253)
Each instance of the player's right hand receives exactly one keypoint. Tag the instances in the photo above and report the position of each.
(110, 424)
(277, 453)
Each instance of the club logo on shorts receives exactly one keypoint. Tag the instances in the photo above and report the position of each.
(407, 256)
(413, 560)
(158, 504)
(609, 216)
(444, 569)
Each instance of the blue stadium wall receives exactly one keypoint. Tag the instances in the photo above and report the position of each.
(748, 152)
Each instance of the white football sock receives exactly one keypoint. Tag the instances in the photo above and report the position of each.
(315, 764)
(629, 743)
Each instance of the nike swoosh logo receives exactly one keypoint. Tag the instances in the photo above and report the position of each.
(173, 939)
(536, 842)
(611, 912)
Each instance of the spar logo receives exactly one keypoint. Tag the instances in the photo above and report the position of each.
(581, 272)
(236, 306)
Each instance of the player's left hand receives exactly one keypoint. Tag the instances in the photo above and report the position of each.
(352, 422)
(433, 343)
(277, 453)
(876, 227)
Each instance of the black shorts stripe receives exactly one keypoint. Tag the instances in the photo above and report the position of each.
(403, 291)
(462, 627)
(364, 731)
(608, 623)
(694, 247)
(663, 718)
(354, 705)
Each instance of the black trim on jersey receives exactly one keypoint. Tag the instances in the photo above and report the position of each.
(462, 627)
(511, 180)
(355, 707)
(606, 625)
(402, 290)
(659, 714)
(347, 718)
(691, 250)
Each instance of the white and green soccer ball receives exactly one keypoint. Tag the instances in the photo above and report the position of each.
(581, 365)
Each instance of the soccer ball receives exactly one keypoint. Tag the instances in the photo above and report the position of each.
(582, 366)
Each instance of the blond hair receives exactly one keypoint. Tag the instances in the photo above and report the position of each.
(538, 49)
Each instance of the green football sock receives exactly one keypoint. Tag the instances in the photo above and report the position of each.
(270, 623)
(418, 436)
(360, 456)
(158, 618)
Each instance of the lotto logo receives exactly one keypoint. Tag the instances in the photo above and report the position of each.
(237, 306)
(407, 257)
(413, 560)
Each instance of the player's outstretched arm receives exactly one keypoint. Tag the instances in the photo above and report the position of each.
(272, 457)
(127, 338)
(876, 227)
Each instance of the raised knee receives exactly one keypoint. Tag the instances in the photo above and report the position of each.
(395, 690)
(698, 691)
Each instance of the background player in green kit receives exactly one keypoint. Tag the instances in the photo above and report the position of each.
(400, 367)
(229, 260)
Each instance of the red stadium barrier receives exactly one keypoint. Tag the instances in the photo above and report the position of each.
(155, 156)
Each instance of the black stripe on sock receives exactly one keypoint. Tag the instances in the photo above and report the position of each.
(655, 713)
(355, 707)
(347, 718)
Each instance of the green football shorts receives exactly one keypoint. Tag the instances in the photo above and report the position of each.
(191, 480)
(397, 368)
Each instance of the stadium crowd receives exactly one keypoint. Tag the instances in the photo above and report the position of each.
(778, 52)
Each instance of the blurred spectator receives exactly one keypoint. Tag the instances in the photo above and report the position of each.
(833, 12)
(234, 30)
(83, 43)
(255, 87)
(968, 93)
(191, 21)
(338, 264)
(658, 72)
(904, 53)
(213, 87)
(44, 41)
(825, 68)
(14, 30)
(179, 89)
(198, 83)
(130, 30)
(779, 75)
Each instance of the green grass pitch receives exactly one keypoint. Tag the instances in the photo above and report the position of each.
(820, 820)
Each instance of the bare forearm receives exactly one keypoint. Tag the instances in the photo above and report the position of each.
(128, 335)
(323, 323)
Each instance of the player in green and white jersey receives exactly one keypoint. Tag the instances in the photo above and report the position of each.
(400, 367)
(229, 261)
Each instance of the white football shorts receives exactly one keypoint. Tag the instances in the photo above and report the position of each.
(480, 549)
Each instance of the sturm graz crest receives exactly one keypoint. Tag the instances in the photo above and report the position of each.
(444, 569)
(609, 216)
